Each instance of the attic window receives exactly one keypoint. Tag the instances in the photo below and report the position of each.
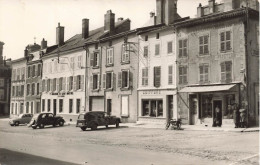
(157, 35)
(146, 38)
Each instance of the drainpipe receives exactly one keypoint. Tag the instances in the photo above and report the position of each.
(86, 77)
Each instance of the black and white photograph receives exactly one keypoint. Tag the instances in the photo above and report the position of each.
(129, 82)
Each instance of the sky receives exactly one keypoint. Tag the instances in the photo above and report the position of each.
(21, 21)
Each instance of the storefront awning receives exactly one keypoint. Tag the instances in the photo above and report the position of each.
(211, 88)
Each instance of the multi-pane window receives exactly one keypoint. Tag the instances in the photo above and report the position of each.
(33, 89)
(95, 81)
(225, 41)
(145, 51)
(183, 74)
(152, 108)
(79, 62)
(157, 49)
(43, 105)
(169, 47)
(70, 105)
(157, 76)
(226, 71)
(183, 48)
(110, 56)
(126, 53)
(204, 72)
(170, 74)
(108, 80)
(94, 59)
(78, 106)
(145, 76)
(204, 44)
(60, 105)
(28, 89)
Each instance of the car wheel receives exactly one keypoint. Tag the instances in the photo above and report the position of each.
(83, 128)
(117, 124)
(41, 126)
(34, 127)
(94, 126)
(61, 123)
(16, 123)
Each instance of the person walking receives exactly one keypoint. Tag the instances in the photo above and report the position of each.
(236, 115)
(218, 116)
(242, 118)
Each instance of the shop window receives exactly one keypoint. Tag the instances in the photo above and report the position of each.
(183, 48)
(110, 56)
(152, 108)
(226, 71)
(225, 41)
(204, 45)
(228, 111)
(157, 76)
(145, 76)
(206, 102)
(183, 74)
(125, 53)
(204, 73)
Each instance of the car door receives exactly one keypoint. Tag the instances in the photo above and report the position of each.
(51, 119)
(23, 119)
(43, 119)
(26, 118)
(101, 119)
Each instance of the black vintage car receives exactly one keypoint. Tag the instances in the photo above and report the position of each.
(94, 119)
(42, 119)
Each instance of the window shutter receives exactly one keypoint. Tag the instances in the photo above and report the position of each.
(123, 53)
(98, 82)
(91, 82)
(157, 76)
(63, 83)
(114, 81)
(51, 85)
(112, 56)
(119, 83)
(129, 79)
(31, 72)
(92, 59)
(45, 88)
(170, 74)
(104, 81)
(143, 75)
(40, 87)
(75, 83)
(82, 82)
(68, 83)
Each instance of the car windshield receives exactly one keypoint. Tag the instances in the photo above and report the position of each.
(20, 116)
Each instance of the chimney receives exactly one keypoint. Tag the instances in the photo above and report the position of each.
(85, 28)
(200, 11)
(26, 51)
(120, 19)
(59, 35)
(1, 53)
(166, 11)
(109, 21)
(43, 44)
(211, 6)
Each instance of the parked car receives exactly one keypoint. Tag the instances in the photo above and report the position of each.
(42, 119)
(21, 119)
(94, 119)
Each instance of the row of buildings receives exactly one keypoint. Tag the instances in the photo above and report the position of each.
(172, 67)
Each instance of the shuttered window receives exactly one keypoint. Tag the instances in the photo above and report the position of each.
(169, 47)
(225, 41)
(109, 80)
(157, 76)
(183, 74)
(125, 58)
(226, 71)
(72, 63)
(70, 105)
(204, 45)
(183, 48)
(28, 89)
(170, 74)
(28, 71)
(96, 79)
(125, 79)
(204, 73)
(157, 49)
(43, 105)
(33, 89)
(22, 90)
(145, 76)
(145, 51)
(110, 56)
(23, 72)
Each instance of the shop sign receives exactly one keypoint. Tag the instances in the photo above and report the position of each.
(152, 92)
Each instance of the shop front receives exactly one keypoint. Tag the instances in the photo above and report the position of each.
(212, 105)
(156, 105)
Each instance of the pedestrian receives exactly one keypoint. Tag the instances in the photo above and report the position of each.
(242, 118)
(236, 115)
(218, 116)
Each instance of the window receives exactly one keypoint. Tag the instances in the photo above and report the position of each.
(13, 90)
(43, 85)
(33, 89)
(60, 105)
(169, 47)
(18, 74)
(12, 108)
(49, 105)
(78, 105)
(157, 49)
(170, 74)
(110, 56)
(123, 79)
(22, 90)
(38, 89)
(183, 48)
(94, 60)
(43, 105)
(61, 84)
(125, 53)
(183, 74)
(145, 76)
(80, 82)
(225, 41)
(157, 35)
(22, 73)
(146, 38)
(54, 84)
(226, 71)
(204, 45)
(14, 74)
(70, 105)
(33, 71)
(145, 51)
(27, 107)
(204, 73)
(157, 76)
(17, 90)
(206, 106)
(80, 62)
(152, 108)
(229, 107)
(28, 89)
(108, 80)
(2, 82)
(95, 81)
(48, 85)
(72, 63)
(70, 83)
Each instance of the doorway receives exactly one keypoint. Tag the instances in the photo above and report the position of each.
(217, 116)
(193, 109)
(54, 106)
(109, 106)
(169, 107)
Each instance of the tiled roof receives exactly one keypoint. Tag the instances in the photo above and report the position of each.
(77, 41)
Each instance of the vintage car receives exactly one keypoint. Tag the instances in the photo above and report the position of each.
(94, 119)
(42, 119)
(21, 119)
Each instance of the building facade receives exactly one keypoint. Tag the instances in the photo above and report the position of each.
(217, 63)
(5, 83)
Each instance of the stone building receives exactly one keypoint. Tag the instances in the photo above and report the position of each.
(218, 61)
(5, 83)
